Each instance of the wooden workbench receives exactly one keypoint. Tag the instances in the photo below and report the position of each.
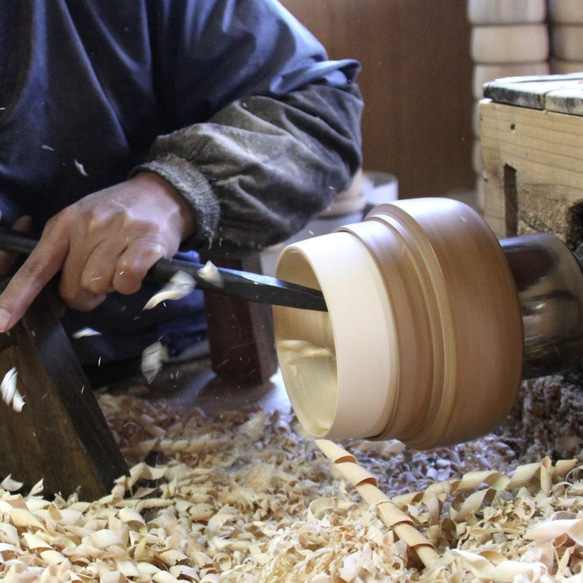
(531, 131)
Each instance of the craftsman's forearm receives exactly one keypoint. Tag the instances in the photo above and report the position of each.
(262, 167)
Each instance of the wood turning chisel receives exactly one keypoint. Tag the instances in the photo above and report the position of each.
(244, 285)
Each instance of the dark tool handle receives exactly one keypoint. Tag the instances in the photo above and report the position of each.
(240, 284)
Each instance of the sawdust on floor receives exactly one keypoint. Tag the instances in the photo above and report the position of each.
(246, 497)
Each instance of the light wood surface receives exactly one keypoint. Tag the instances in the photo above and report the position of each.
(566, 11)
(506, 11)
(567, 42)
(521, 43)
(443, 356)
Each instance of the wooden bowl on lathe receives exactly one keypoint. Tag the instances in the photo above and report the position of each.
(423, 338)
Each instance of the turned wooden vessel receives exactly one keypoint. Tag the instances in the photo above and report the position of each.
(432, 323)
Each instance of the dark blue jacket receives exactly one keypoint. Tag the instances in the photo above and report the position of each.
(232, 101)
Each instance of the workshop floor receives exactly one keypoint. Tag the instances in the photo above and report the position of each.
(260, 503)
(244, 495)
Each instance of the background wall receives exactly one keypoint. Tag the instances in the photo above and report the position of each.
(416, 82)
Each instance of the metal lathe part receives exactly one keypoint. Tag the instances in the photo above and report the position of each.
(549, 281)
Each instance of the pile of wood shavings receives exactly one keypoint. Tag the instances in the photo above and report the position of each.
(245, 497)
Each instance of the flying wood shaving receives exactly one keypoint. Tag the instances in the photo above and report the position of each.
(153, 359)
(80, 168)
(85, 332)
(179, 286)
(10, 394)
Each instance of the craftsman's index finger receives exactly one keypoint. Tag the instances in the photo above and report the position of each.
(39, 268)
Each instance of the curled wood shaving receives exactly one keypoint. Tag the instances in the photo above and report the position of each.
(153, 359)
(390, 514)
(178, 287)
(494, 567)
(10, 394)
(209, 272)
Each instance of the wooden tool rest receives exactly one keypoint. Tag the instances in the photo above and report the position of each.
(61, 435)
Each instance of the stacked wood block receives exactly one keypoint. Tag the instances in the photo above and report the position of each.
(566, 33)
(509, 38)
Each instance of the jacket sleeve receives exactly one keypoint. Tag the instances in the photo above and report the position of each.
(276, 134)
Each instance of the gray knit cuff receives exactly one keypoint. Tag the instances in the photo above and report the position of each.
(195, 188)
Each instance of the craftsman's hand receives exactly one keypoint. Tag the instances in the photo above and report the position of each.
(105, 242)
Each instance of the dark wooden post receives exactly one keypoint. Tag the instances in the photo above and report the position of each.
(61, 435)
(240, 333)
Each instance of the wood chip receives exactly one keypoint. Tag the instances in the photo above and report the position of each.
(85, 332)
(9, 392)
(179, 286)
(153, 359)
(209, 272)
(80, 168)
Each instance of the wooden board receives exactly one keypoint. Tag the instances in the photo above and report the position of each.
(486, 73)
(558, 93)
